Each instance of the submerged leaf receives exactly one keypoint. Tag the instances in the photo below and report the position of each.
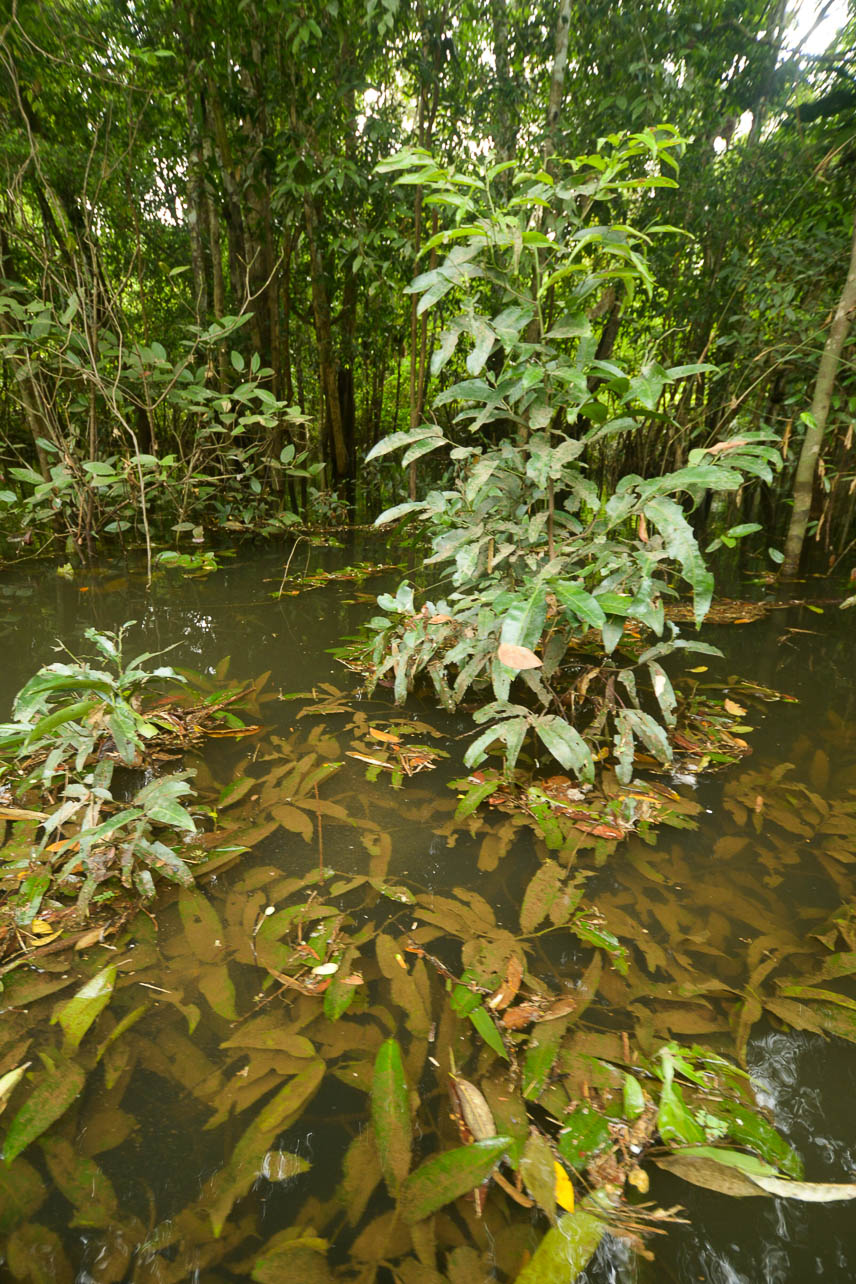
(391, 1115)
(52, 1094)
(445, 1177)
(82, 1183)
(22, 1193)
(245, 1163)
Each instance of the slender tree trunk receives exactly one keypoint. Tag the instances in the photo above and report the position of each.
(196, 218)
(821, 400)
(324, 337)
(557, 78)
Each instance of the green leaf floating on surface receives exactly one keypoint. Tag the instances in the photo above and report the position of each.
(564, 1251)
(730, 1172)
(445, 1177)
(52, 1094)
(391, 1115)
(78, 1014)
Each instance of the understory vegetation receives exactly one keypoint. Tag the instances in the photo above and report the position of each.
(562, 304)
(206, 316)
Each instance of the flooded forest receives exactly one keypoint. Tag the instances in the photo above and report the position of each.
(428, 574)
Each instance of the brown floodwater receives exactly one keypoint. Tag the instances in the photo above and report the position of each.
(763, 874)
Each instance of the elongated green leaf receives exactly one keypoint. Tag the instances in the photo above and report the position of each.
(674, 1120)
(390, 1105)
(524, 618)
(475, 795)
(52, 1094)
(82, 1182)
(245, 1162)
(539, 1174)
(594, 934)
(579, 602)
(566, 745)
(680, 543)
(583, 1133)
(445, 1177)
(483, 1022)
(540, 1055)
(78, 1014)
(564, 1251)
(544, 888)
(71, 713)
(396, 440)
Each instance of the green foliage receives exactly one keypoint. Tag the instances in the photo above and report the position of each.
(72, 709)
(534, 552)
(231, 475)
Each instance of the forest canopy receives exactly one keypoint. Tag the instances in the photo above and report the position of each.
(205, 259)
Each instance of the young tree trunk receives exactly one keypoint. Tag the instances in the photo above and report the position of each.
(820, 403)
(324, 338)
(196, 218)
(557, 78)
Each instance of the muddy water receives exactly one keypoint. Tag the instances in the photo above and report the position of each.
(765, 873)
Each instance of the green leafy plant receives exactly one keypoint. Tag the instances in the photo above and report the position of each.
(123, 841)
(71, 710)
(534, 553)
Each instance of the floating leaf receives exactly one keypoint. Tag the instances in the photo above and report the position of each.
(564, 1188)
(78, 1014)
(733, 1173)
(10, 1081)
(584, 1133)
(445, 1177)
(282, 1165)
(52, 1094)
(564, 1251)
(538, 1171)
(390, 1104)
(473, 1108)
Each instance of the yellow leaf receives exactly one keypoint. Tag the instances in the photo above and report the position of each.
(386, 736)
(731, 706)
(39, 927)
(700, 668)
(639, 1178)
(564, 1188)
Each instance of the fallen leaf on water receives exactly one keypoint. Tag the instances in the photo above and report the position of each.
(564, 1188)
(386, 736)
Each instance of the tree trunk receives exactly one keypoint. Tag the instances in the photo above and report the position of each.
(820, 403)
(196, 218)
(557, 78)
(324, 337)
